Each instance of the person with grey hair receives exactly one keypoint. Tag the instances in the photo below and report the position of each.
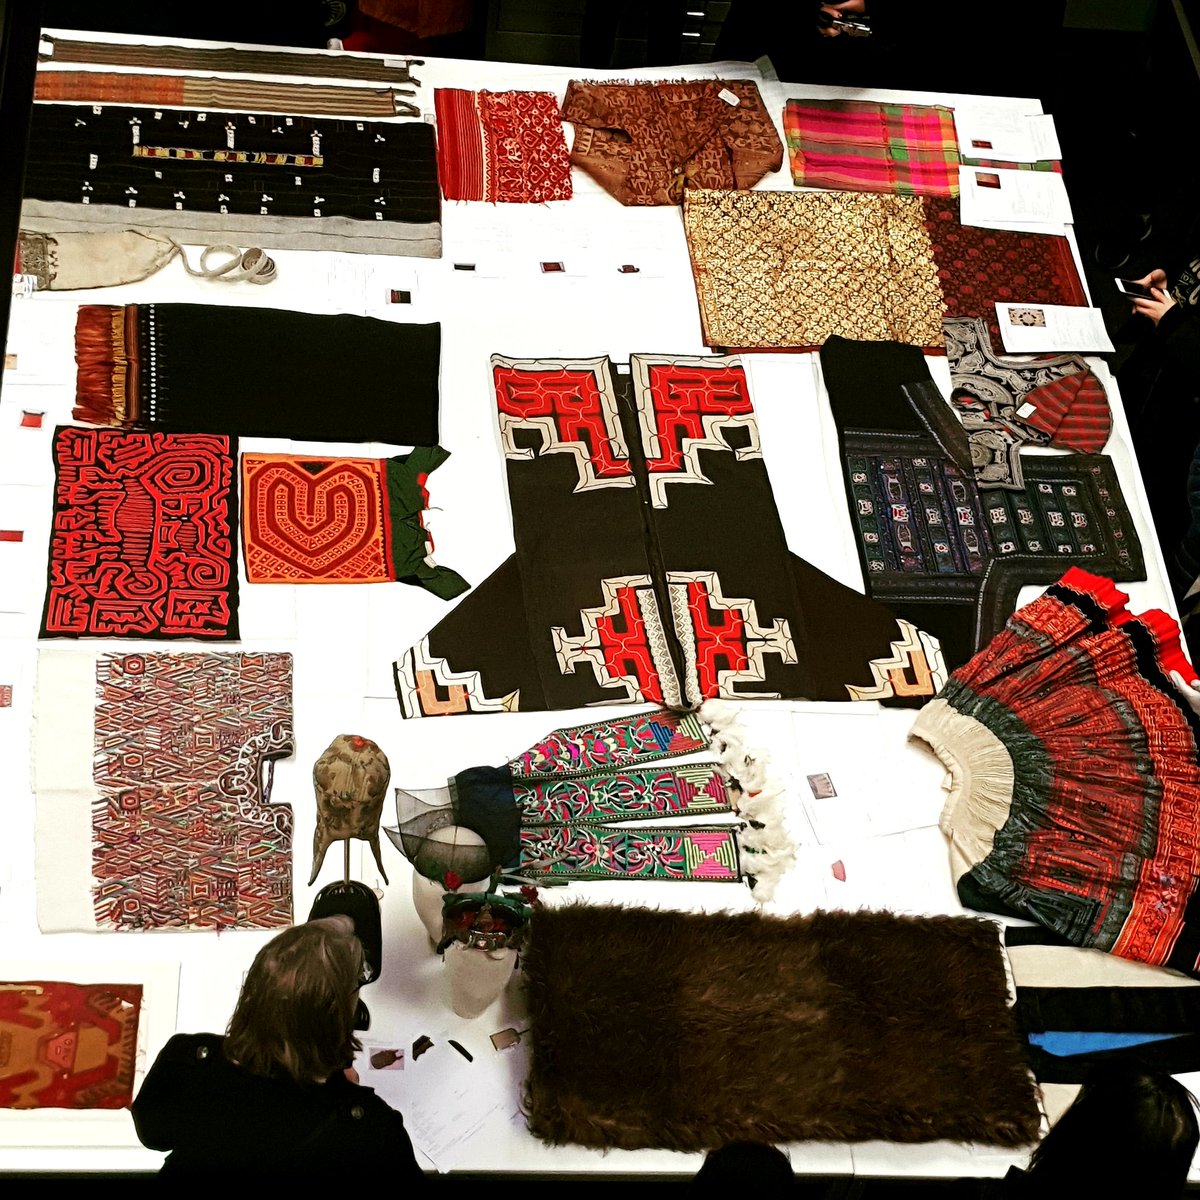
(277, 1096)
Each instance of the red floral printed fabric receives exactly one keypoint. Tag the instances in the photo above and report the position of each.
(977, 267)
(505, 147)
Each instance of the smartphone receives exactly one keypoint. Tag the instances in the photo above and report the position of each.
(1138, 291)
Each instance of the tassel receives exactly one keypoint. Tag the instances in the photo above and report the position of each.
(765, 840)
(106, 370)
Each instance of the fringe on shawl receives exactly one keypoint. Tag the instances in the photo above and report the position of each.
(979, 789)
(769, 851)
(106, 357)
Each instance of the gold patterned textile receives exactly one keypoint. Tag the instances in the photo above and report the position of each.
(786, 270)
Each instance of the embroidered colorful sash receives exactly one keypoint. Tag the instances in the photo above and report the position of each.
(68, 1045)
(143, 542)
(590, 799)
(169, 366)
(505, 147)
(1086, 818)
(648, 143)
(932, 548)
(341, 520)
(579, 852)
(165, 822)
(629, 584)
(787, 270)
(253, 179)
(612, 744)
(576, 806)
(863, 146)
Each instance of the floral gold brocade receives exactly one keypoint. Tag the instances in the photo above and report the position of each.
(787, 270)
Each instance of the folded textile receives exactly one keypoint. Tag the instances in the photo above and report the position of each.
(1074, 798)
(193, 91)
(649, 143)
(341, 520)
(830, 1027)
(1072, 410)
(501, 146)
(1069, 990)
(257, 372)
(978, 267)
(263, 60)
(864, 146)
(787, 270)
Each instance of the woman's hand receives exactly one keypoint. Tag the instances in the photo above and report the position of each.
(1154, 309)
(1156, 281)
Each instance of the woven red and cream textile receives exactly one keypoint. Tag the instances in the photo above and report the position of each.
(504, 147)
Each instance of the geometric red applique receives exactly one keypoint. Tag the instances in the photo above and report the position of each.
(142, 541)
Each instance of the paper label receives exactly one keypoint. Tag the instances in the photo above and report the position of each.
(45, 48)
(1026, 410)
(729, 98)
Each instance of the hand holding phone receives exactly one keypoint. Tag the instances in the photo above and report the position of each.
(1135, 290)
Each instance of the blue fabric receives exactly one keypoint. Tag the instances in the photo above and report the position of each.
(1066, 1043)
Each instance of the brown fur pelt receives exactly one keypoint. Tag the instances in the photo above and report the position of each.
(688, 1031)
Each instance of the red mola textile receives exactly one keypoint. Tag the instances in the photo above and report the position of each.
(68, 1045)
(143, 542)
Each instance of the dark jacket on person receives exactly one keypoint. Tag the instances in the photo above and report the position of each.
(1178, 331)
(216, 1118)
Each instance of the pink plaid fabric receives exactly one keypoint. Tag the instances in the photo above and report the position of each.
(861, 146)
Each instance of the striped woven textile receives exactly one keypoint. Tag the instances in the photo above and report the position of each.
(1073, 410)
(238, 95)
(227, 58)
(861, 146)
